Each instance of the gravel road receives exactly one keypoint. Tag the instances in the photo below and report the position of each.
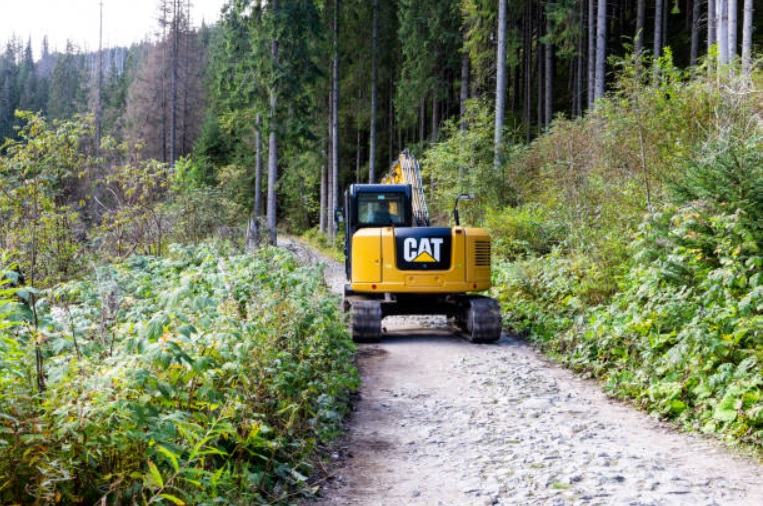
(440, 421)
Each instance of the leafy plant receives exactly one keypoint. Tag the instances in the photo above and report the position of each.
(191, 379)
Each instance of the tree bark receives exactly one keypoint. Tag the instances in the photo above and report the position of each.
(733, 26)
(174, 78)
(712, 22)
(324, 200)
(601, 47)
(591, 53)
(550, 77)
(374, 94)
(722, 12)
(335, 124)
(659, 10)
(435, 117)
(273, 144)
(500, 84)
(253, 229)
(464, 91)
(99, 105)
(695, 25)
(747, 38)
(640, 26)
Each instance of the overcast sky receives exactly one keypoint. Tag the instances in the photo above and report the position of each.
(124, 21)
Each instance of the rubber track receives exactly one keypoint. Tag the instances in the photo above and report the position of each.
(484, 320)
(365, 317)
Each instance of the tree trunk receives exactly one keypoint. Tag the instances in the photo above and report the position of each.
(357, 152)
(500, 84)
(464, 90)
(747, 38)
(695, 25)
(422, 119)
(99, 106)
(591, 53)
(273, 145)
(335, 124)
(374, 93)
(324, 203)
(659, 10)
(330, 165)
(253, 230)
(435, 117)
(640, 26)
(712, 22)
(732, 8)
(174, 78)
(550, 77)
(577, 103)
(722, 12)
(601, 48)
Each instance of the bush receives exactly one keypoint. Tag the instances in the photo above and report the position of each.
(684, 336)
(194, 378)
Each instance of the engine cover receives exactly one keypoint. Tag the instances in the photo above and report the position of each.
(423, 248)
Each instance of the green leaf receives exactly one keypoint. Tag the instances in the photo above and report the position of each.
(173, 499)
(154, 477)
(167, 453)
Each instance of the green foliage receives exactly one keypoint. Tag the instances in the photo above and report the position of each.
(193, 379)
(463, 163)
(36, 223)
(635, 252)
(527, 230)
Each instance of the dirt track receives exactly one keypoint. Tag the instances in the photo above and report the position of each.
(440, 421)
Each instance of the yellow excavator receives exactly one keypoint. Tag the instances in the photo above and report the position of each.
(397, 264)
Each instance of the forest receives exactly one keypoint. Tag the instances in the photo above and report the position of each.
(615, 150)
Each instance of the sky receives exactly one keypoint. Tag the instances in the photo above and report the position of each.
(124, 21)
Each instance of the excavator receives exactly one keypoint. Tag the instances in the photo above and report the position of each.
(398, 264)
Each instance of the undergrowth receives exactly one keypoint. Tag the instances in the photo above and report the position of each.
(640, 262)
(191, 379)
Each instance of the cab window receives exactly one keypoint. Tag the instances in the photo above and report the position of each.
(381, 209)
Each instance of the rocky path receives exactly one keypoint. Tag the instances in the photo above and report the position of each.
(440, 421)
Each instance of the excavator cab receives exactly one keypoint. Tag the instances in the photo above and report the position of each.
(373, 206)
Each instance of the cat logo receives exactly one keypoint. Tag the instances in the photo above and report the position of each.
(425, 249)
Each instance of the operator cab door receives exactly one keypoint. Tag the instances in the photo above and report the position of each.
(375, 206)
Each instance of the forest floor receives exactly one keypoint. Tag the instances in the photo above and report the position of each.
(440, 421)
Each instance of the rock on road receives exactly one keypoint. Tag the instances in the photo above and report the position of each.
(440, 421)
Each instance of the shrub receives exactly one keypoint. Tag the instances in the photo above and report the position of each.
(193, 379)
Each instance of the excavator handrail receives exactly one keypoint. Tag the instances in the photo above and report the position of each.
(406, 170)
